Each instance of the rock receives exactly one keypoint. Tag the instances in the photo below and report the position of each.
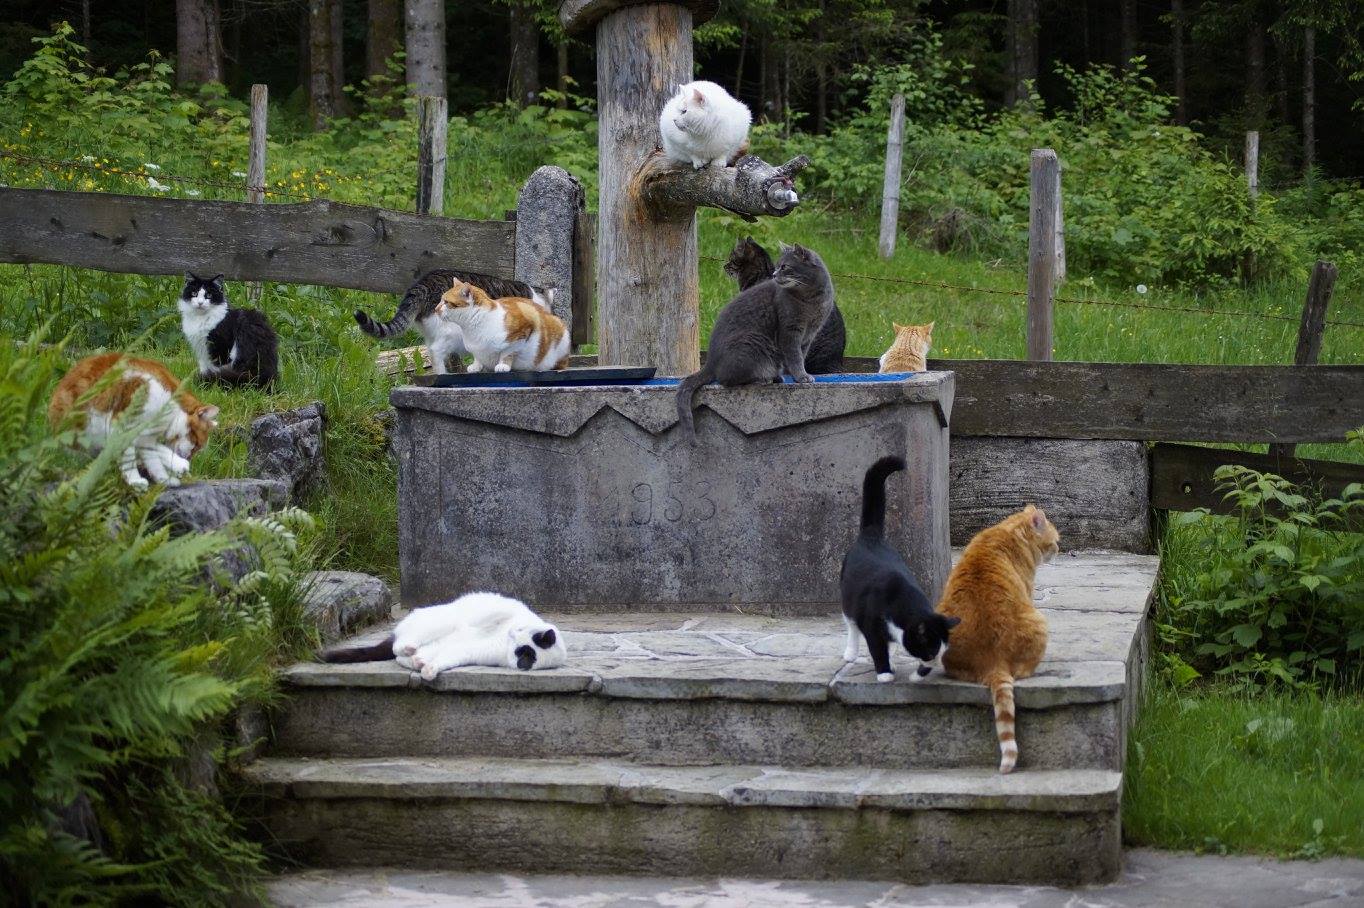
(202, 506)
(288, 446)
(341, 601)
(207, 505)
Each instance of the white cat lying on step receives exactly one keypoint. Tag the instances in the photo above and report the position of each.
(475, 629)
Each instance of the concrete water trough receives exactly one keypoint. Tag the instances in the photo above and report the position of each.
(589, 498)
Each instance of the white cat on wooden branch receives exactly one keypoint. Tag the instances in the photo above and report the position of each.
(703, 124)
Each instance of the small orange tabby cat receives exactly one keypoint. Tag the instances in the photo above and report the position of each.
(1002, 636)
(176, 424)
(909, 351)
(505, 334)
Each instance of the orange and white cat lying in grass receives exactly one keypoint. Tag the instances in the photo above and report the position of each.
(174, 424)
(1002, 635)
(505, 334)
(909, 351)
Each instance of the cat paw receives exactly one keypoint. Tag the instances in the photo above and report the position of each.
(502, 367)
(720, 162)
(475, 366)
(803, 379)
(429, 672)
(850, 655)
(406, 649)
(884, 677)
(137, 482)
(171, 481)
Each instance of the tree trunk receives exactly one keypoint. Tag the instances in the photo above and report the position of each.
(1129, 33)
(321, 93)
(425, 32)
(383, 37)
(85, 24)
(786, 104)
(1281, 80)
(821, 75)
(739, 68)
(1309, 99)
(1177, 50)
(198, 43)
(1023, 47)
(340, 103)
(648, 299)
(1255, 69)
(562, 75)
(523, 75)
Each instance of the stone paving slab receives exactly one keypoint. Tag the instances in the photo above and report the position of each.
(1094, 603)
(587, 781)
(1149, 879)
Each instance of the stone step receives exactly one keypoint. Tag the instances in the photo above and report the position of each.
(732, 688)
(603, 816)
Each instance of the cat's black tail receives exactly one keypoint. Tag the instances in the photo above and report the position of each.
(378, 652)
(263, 378)
(401, 321)
(874, 494)
(685, 392)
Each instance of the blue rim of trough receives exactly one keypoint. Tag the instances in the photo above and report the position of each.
(604, 376)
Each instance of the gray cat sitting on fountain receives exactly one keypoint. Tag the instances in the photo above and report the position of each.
(765, 331)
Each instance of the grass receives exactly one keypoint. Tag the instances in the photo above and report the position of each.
(1261, 772)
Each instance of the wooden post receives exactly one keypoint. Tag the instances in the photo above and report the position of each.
(1253, 164)
(1043, 206)
(1060, 233)
(255, 161)
(584, 327)
(890, 192)
(1310, 331)
(432, 123)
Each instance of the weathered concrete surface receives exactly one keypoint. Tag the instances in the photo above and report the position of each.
(342, 601)
(546, 213)
(692, 689)
(623, 817)
(1096, 492)
(607, 510)
(1150, 879)
(288, 446)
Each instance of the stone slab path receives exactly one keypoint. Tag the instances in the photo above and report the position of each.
(1149, 879)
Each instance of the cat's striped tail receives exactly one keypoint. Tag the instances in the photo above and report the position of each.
(401, 321)
(1002, 693)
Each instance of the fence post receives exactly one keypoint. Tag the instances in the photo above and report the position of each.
(584, 280)
(547, 209)
(255, 162)
(432, 123)
(1060, 232)
(1046, 181)
(890, 193)
(1319, 289)
(1253, 164)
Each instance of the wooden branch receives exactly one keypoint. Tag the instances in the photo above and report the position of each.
(324, 243)
(752, 187)
(578, 16)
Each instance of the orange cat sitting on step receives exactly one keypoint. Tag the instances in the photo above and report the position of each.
(505, 334)
(1002, 635)
(174, 424)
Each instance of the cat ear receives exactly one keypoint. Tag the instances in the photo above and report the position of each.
(898, 327)
(1039, 520)
(544, 639)
(950, 621)
(216, 279)
(785, 247)
(190, 276)
(697, 96)
(929, 326)
(679, 89)
(466, 293)
(208, 413)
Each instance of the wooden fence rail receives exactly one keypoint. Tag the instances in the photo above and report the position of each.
(325, 243)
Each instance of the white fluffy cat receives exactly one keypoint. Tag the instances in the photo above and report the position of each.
(703, 124)
(475, 629)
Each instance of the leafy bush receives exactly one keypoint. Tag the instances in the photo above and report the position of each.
(116, 655)
(1277, 593)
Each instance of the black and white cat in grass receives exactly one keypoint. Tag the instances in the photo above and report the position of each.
(233, 346)
(882, 601)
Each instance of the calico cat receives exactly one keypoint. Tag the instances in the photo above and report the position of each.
(233, 346)
(881, 599)
(1002, 636)
(750, 264)
(505, 334)
(444, 338)
(703, 124)
(175, 424)
(475, 629)
(909, 351)
(765, 330)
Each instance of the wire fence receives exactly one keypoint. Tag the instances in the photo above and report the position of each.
(1075, 301)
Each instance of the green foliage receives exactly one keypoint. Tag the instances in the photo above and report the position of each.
(1276, 595)
(1263, 771)
(117, 652)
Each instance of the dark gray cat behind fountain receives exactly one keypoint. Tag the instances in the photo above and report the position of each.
(765, 330)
